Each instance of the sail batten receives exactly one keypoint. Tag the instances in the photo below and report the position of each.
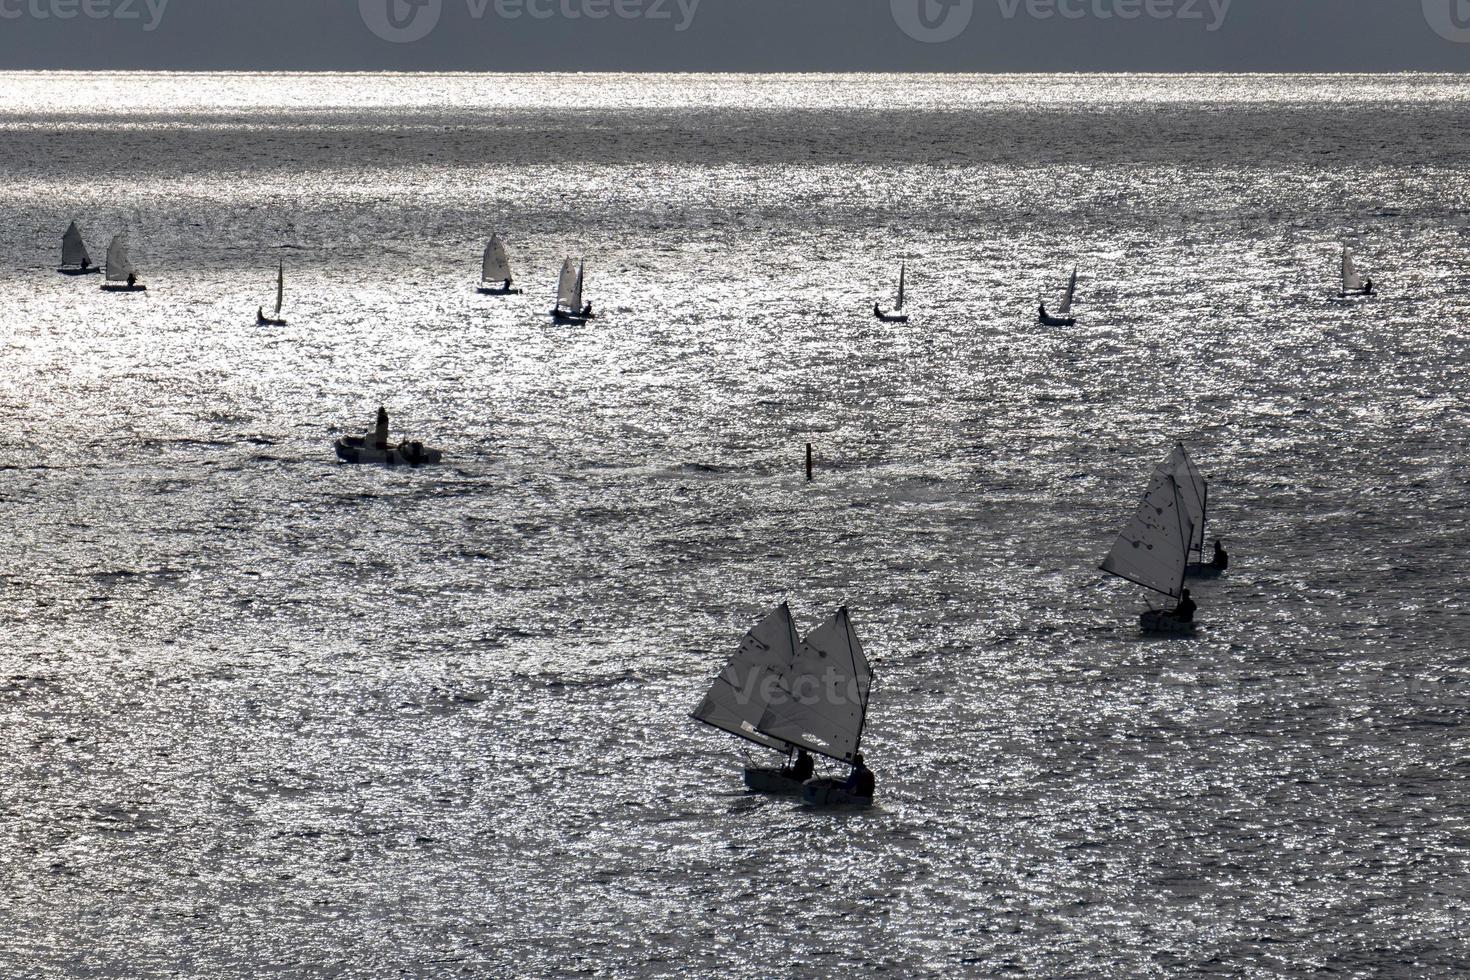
(119, 266)
(738, 698)
(496, 265)
(73, 248)
(1153, 550)
(823, 702)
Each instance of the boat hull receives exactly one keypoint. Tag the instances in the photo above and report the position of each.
(1057, 321)
(772, 781)
(77, 271)
(497, 291)
(893, 317)
(1203, 570)
(266, 321)
(122, 287)
(1162, 623)
(412, 454)
(825, 792)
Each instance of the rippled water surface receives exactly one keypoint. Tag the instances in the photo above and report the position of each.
(269, 715)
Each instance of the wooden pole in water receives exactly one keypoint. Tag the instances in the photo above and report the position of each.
(808, 462)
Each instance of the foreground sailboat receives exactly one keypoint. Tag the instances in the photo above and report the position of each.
(74, 258)
(121, 278)
(895, 315)
(569, 307)
(822, 706)
(1194, 490)
(737, 700)
(274, 321)
(1062, 319)
(495, 278)
(1153, 551)
(1353, 284)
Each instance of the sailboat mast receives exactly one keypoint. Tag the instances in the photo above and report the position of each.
(902, 268)
(1179, 513)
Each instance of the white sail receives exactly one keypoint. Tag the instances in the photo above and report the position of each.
(496, 267)
(577, 293)
(1351, 281)
(902, 268)
(1153, 549)
(738, 698)
(569, 286)
(1193, 491)
(118, 265)
(823, 698)
(1065, 306)
(73, 249)
(280, 287)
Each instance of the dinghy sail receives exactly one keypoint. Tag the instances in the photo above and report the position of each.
(121, 277)
(495, 277)
(1153, 550)
(74, 257)
(1193, 490)
(1066, 305)
(1062, 318)
(1351, 281)
(823, 702)
(569, 307)
(275, 321)
(737, 700)
(895, 315)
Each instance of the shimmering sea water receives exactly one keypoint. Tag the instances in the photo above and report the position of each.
(267, 715)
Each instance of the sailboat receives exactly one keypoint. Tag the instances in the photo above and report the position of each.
(1153, 551)
(1194, 490)
(74, 258)
(495, 279)
(1353, 284)
(738, 698)
(822, 705)
(895, 315)
(1062, 319)
(120, 275)
(569, 307)
(274, 321)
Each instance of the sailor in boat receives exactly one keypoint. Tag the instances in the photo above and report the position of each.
(801, 768)
(86, 264)
(506, 287)
(1184, 612)
(1368, 287)
(877, 311)
(1221, 560)
(132, 279)
(860, 782)
(587, 310)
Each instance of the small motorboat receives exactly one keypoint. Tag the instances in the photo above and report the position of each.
(120, 275)
(74, 258)
(375, 448)
(496, 269)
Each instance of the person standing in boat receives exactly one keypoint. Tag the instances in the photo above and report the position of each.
(1221, 560)
(860, 782)
(1184, 612)
(801, 768)
(132, 279)
(379, 438)
(506, 287)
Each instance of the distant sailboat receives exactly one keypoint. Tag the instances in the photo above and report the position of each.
(74, 258)
(1353, 284)
(495, 278)
(823, 705)
(121, 278)
(895, 315)
(274, 321)
(1063, 309)
(737, 700)
(569, 307)
(1153, 551)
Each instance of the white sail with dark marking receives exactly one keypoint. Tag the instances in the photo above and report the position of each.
(1193, 491)
(737, 700)
(569, 286)
(73, 248)
(1153, 549)
(823, 700)
(119, 266)
(496, 266)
